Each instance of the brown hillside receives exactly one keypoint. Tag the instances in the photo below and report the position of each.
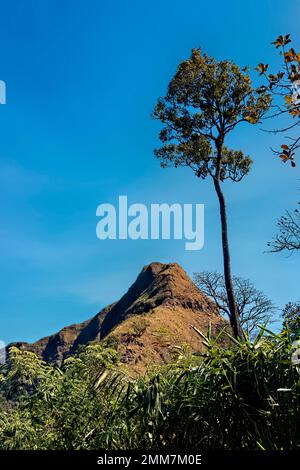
(146, 324)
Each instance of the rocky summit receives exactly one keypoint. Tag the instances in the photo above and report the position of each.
(146, 325)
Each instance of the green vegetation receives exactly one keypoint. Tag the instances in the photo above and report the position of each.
(291, 317)
(243, 397)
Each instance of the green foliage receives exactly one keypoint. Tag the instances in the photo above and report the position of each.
(291, 318)
(53, 408)
(206, 99)
(243, 397)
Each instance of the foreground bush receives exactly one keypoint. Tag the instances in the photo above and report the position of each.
(243, 397)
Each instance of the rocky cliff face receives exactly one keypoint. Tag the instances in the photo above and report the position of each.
(154, 317)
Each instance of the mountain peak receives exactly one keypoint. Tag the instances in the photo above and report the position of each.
(162, 294)
(158, 284)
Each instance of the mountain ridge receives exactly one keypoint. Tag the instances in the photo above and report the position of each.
(163, 302)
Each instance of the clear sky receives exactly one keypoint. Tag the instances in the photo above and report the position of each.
(82, 79)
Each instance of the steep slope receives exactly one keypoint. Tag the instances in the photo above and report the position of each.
(154, 317)
(164, 305)
(57, 347)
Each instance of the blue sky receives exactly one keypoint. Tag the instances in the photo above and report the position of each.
(82, 79)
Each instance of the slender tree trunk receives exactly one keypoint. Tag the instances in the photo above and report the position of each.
(234, 315)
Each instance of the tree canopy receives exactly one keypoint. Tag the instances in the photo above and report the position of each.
(205, 100)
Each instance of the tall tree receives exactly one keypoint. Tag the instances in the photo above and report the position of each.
(205, 101)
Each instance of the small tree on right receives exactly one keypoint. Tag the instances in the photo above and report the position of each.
(254, 307)
(291, 319)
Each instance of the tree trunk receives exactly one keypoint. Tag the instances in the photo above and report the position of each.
(234, 315)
